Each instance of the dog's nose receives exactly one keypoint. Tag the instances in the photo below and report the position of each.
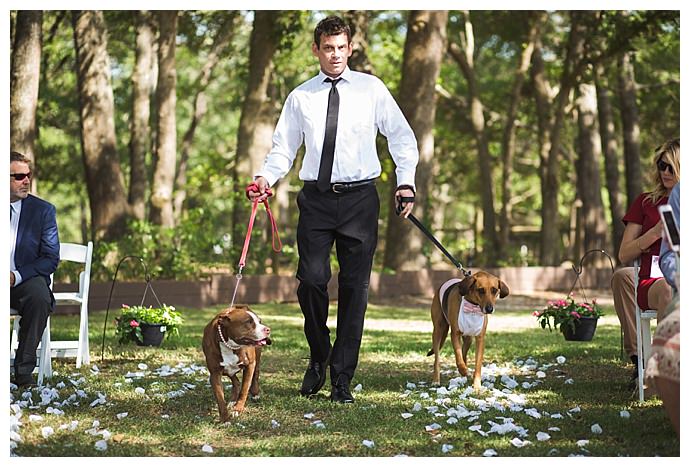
(267, 331)
(489, 308)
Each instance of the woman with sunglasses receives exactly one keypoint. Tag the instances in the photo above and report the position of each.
(642, 241)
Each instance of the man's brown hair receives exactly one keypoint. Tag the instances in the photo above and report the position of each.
(331, 26)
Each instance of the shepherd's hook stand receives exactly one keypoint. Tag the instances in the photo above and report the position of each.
(578, 273)
(147, 277)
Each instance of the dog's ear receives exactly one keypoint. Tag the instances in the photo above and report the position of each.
(466, 284)
(503, 287)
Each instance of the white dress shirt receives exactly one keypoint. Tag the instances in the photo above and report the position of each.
(16, 209)
(366, 107)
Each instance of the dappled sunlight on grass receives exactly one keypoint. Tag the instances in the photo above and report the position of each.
(175, 415)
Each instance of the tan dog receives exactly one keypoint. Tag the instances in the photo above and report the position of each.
(232, 342)
(479, 291)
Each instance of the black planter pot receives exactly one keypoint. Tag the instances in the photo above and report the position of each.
(153, 334)
(584, 330)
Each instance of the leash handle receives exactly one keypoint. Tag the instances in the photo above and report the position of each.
(274, 229)
(248, 237)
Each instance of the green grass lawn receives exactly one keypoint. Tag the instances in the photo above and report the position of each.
(171, 411)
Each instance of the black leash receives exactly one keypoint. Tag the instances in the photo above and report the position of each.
(430, 236)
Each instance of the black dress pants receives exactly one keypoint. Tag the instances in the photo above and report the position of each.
(350, 220)
(34, 301)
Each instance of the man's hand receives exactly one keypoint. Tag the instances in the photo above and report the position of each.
(12, 279)
(400, 194)
(263, 190)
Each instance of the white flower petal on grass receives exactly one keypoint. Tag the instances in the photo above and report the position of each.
(582, 443)
(541, 374)
(625, 414)
(406, 415)
(122, 415)
(318, 424)
(101, 445)
(54, 411)
(534, 413)
(416, 407)
(446, 448)
(410, 385)
(569, 381)
(206, 448)
(309, 416)
(358, 388)
(560, 359)
(143, 366)
(35, 418)
(596, 429)
(47, 431)
(275, 424)
(556, 415)
(575, 409)
(433, 426)
(490, 453)
(452, 420)
(554, 428)
(139, 390)
(368, 443)
(518, 443)
(541, 436)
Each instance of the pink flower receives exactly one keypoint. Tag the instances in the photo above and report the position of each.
(536, 313)
(124, 306)
(134, 323)
(575, 314)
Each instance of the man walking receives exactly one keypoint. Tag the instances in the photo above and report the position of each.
(337, 115)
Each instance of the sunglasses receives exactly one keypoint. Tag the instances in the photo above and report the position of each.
(20, 177)
(662, 166)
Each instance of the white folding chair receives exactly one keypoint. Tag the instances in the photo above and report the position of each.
(79, 348)
(643, 319)
(45, 369)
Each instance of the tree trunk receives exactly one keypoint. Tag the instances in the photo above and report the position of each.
(107, 199)
(161, 212)
(587, 168)
(631, 126)
(550, 241)
(425, 47)
(508, 143)
(24, 79)
(358, 20)
(220, 44)
(464, 56)
(542, 98)
(142, 87)
(611, 160)
(255, 132)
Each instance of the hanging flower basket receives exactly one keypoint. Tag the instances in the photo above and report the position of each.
(147, 326)
(577, 321)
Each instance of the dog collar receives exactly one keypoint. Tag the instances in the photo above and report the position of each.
(229, 343)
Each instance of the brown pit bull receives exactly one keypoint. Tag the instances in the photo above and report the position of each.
(232, 342)
(477, 295)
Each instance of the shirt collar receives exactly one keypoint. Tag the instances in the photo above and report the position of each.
(346, 75)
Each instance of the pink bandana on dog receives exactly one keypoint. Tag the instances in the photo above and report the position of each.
(470, 318)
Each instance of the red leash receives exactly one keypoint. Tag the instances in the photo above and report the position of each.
(275, 238)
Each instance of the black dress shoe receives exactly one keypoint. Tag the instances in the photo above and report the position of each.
(24, 381)
(314, 378)
(340, 391)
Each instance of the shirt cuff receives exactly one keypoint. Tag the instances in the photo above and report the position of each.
(17, 278)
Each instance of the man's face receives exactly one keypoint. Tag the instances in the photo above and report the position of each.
(19, 189)
(333, 53)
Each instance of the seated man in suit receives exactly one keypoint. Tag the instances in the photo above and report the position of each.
(34, 256)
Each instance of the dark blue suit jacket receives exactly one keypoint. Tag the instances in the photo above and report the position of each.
(37, 251)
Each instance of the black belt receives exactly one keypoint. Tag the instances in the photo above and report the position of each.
(344, 187)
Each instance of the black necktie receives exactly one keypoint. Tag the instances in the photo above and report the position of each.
(323, 183)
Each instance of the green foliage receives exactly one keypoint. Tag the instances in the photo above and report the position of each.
(566, 313)
(131, 317)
